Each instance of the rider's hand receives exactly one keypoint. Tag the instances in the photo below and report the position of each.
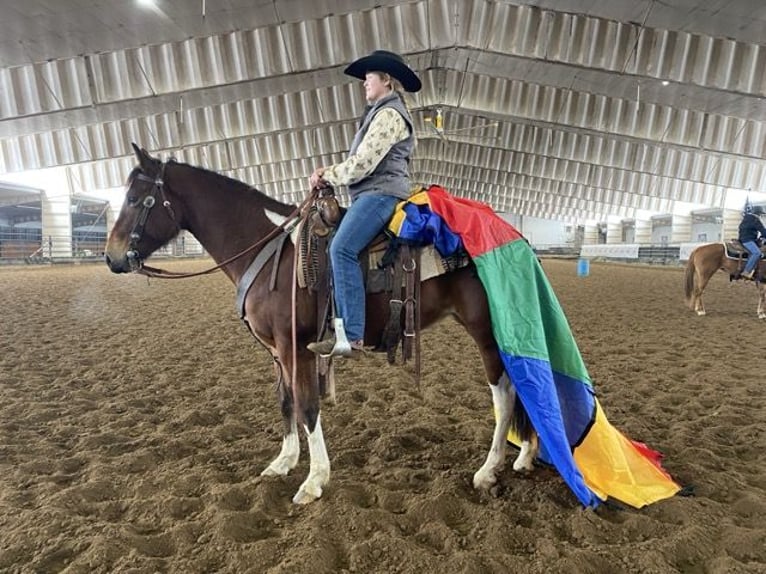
(316, 181)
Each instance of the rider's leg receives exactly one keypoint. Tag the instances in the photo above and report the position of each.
(755, 255)
(363, 221)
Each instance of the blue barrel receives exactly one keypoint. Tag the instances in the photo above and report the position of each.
(583, 267)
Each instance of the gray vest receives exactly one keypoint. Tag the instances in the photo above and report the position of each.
(391, 177)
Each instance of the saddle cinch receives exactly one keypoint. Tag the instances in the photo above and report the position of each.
(390, 265)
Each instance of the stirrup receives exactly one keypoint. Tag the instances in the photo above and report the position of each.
(337, 346)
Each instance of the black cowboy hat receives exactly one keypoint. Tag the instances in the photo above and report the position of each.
(388, 62)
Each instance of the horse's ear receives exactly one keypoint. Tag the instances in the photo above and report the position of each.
(136, 150)
(146, 161)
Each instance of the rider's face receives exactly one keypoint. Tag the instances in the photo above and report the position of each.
(375, 87)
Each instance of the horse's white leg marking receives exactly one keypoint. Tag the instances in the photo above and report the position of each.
(761, 301)
(288, 456)
(698, 305)
(699, 287)
(527, 455)
(485, 477)
(319, 467)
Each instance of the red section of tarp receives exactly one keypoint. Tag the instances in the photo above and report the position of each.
(480, 228)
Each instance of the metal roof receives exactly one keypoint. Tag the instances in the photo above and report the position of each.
(594, 108)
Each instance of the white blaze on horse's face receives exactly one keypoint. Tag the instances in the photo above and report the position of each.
(278, 220)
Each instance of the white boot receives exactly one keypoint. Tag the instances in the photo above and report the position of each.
(342, 347)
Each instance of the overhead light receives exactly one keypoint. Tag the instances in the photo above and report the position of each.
(665, 82)
(146, 2)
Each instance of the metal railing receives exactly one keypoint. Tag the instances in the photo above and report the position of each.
(30, 246)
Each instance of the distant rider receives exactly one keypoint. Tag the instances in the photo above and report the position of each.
(750, 229)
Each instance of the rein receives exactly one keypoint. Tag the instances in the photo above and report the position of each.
(157, 273)
(154, 272)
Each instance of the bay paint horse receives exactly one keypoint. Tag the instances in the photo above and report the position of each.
(227, 217)
(703, 263)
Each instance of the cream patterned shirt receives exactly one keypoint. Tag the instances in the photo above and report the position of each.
(386, 129)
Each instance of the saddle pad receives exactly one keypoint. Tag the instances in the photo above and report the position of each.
(431, 263)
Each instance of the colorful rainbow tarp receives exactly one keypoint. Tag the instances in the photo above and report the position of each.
(539, 352)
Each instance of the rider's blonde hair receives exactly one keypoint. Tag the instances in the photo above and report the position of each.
(395, 85)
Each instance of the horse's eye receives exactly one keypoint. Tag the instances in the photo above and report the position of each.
(132, 200)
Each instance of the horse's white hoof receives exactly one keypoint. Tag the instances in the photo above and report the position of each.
(523, 465)
(700, 313)
(483, 480)
(762, 315)
(276, 468)
(307, 495)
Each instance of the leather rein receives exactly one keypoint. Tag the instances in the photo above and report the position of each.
(158, 188)
(150, 200)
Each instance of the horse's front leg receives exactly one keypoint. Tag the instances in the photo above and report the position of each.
(307, 395)
(761, 300)
(291, 448)
(486, 476)
(319, 467)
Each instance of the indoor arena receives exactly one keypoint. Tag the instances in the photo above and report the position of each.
(407, 286)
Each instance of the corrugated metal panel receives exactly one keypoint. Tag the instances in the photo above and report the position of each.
(602, 114)
(341, 104)
(566, 88)
(604, 44)
(55, 85)
(482, 186)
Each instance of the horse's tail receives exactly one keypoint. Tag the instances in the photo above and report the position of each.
(689, 278)
(521, 425)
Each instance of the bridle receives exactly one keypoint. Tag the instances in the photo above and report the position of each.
(135, 260)
(157, 189)
(299, 215)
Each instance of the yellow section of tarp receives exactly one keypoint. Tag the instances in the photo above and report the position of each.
(611, 464)
(419, 197)
(613, 467)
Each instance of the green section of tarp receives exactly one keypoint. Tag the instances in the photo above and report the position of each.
(527, 319)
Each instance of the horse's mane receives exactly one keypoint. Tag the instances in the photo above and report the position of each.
(235, 185)
(220, 180)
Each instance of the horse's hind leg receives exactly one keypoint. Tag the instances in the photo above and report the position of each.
(761, 300)
(473, 314)
(701, 283)
(502, 399)
(528, 451)
(291, 448)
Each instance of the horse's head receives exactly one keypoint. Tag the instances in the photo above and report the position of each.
(146, 221)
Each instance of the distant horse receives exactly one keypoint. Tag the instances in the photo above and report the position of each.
(228, 217)
(704, 261)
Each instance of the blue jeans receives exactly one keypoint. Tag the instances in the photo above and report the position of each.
(366, 217)
(755, 255)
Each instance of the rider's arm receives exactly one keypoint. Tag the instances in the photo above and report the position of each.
(386, 129)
